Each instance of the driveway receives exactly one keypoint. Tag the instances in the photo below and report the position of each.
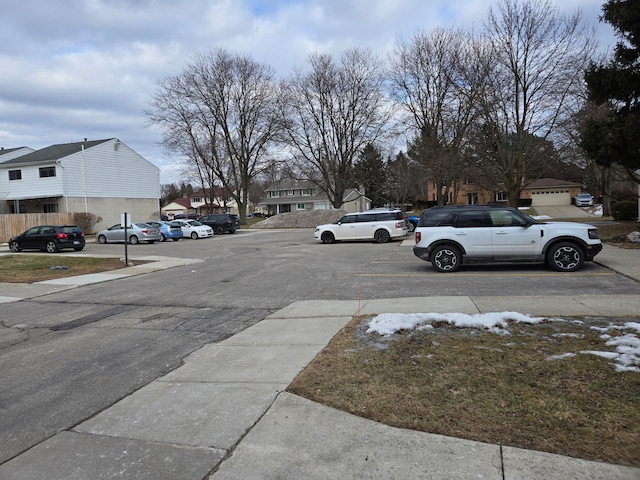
(564, 211)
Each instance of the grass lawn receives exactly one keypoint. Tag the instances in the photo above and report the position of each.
(518, 390)
(26, 268)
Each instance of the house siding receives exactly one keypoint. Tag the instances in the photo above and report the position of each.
(111, 169)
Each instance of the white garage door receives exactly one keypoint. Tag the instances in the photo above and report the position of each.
(555, 196)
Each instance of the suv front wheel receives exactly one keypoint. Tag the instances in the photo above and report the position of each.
(565, 257)
(446, 258)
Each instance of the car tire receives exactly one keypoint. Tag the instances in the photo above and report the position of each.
(218, 230)
(14, 247)
(194, 236)
(565, 257)
(327, 237)
(446, 258)
(175, 239)
(52, 247)
(411, 227)
(102, 239)
(381, 236)
(133, 240)
(163, 238)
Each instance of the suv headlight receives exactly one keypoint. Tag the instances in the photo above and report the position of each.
(593, 233)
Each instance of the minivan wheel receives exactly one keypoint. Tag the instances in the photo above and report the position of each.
(446, 259)
(565, 257)
(327, 237)
(381, 236)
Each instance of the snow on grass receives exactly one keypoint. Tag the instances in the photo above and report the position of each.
(626, 357)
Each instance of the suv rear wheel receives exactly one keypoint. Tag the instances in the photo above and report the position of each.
(565, 257)
(446, 258)
(381, 236)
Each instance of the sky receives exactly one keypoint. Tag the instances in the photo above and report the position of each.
(75, 69)
(620, 341)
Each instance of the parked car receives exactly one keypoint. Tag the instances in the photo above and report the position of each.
(167, 231)
(452, 235)
(412, 222)
(193, 229)
(136, 232)
(185, 216)
(380, 225)
(236, 220)
(219, 222)
(583, 200)
(49, 238)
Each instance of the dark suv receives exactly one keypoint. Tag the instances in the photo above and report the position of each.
(450, 236)
(49, 238)
(219, 222)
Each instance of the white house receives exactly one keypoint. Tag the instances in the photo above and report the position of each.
(301, 196)
(11, 153)
(103, 177)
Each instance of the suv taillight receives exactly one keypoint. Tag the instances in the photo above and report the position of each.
(418, 237)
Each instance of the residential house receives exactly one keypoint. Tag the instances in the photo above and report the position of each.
(544, 191)
(198, 203)
(301, 196)
(103, 177)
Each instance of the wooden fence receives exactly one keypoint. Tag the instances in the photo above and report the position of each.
(13, 224)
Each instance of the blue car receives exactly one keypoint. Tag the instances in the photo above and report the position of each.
(167, 230)
(412, 222)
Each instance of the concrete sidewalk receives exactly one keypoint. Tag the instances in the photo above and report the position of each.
(224, 413)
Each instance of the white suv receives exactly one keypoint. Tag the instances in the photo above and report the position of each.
(452, 235)
(380, 225)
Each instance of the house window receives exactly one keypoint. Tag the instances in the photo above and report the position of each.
(501, 197)
(15, 174)
(274, 194)
(472, 198)
(196, 200)
(50, 208)
(300, 206)
(290, 193)
(47, 172)
(306, 192)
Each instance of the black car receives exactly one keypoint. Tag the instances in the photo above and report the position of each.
(48, 238)
(219, 222)
(236, 219)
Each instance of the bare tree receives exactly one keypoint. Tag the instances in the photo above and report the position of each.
(221, 114)
(539, 58)
(333, 111)
(434, 78)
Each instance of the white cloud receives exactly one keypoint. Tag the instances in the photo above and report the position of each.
(86, 68)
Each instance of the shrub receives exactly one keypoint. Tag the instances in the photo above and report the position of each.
(86, 221)
(625, 210)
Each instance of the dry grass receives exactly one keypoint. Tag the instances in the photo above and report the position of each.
(615, 233)
(23, 268)
(477, 385)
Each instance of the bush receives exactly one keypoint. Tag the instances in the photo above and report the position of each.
(86, 221)
(625, 210)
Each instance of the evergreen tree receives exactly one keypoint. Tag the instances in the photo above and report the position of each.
(369, 172)
(615, 139)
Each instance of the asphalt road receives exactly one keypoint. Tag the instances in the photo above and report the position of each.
(84, 349)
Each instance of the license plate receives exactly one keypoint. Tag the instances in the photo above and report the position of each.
(76, 242)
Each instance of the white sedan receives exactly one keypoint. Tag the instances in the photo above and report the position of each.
(193, 229)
